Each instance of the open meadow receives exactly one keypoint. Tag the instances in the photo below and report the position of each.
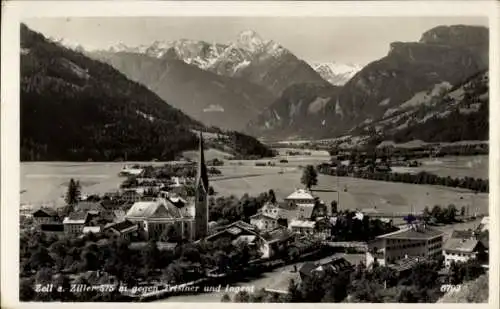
(45, 182)
(357, 193)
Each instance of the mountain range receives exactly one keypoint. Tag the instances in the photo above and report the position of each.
(224, 85)
(260, 87)
(445, 55)
(77, 108)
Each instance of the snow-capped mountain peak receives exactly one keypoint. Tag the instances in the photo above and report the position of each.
(336, 73)
(250, 41)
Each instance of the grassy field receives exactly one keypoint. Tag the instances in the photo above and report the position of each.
(45, 182)
(461, 166)
(360, 193)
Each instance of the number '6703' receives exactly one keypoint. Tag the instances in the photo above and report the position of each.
(450, 288)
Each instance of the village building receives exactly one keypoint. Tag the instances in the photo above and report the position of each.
(303, 201)
(131, 195)
(404, 266)
(270, 216)
(125, 229)
(300, 197)
(267, 243)
(161, 220)
(74, 223)
(416, 240)
(462, 246)
(336, 265)
(91, 229)
(485, 224)
(45, 216)
(131, 171)
(302, 227)
(49, 229)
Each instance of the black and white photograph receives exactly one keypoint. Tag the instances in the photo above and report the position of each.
(253, 159)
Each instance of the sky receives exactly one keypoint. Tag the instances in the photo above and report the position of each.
(355, 40)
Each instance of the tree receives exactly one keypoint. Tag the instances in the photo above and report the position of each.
(242, 297)
(73, 193)
(449, 213)
(226, 298)
(272, 196)
(334, 206)
(211, 190)
(309, 177)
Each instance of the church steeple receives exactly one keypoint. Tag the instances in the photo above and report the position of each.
(202, 175)
(201, 195)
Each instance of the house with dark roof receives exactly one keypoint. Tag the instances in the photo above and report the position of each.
(89, 206)
(335, 265)
(74, 223)
(124, 229)
(45, 216)
(415, 240)
(267, 243)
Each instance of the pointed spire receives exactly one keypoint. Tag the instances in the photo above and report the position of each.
(202, 168)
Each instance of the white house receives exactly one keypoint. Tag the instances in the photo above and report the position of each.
(302, 227)
(300, 197)
(461, 250)
(264, 221)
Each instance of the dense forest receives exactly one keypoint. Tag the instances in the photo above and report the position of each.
(74, 108)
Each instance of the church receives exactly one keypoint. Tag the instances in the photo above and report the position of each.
(164, 219)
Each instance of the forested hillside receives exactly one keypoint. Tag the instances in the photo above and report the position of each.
(74, 108)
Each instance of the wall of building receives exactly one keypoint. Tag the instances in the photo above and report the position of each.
(264, 223)
(302, 230)
(396, 249)
(457, 257)
(435, 246)
(73, 228)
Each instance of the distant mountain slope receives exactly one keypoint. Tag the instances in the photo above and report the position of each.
(210, 98)
(75, 108)
(462, 113)
(295, 113)
(445, 55)
(444, 113)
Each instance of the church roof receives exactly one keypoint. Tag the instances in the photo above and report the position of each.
(160, 209)
(202, 175)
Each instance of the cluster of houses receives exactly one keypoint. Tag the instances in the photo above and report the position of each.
(402, 249)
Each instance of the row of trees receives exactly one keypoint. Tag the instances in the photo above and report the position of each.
(444, 215)
(475, 184)
(387, 153)
(349, 228)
